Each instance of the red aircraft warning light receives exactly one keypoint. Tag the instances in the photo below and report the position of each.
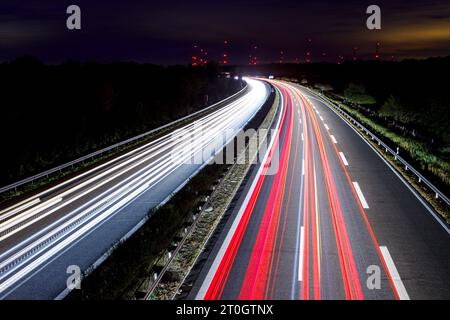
(225, 54)
(253, 59)
(281, 61)
(355, 51)
(377, 51)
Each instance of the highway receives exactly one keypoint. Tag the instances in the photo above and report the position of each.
(335, 221)
(76, 222)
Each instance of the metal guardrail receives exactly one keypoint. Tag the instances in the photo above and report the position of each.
(157, 277)
(97, 153)
(395, 153)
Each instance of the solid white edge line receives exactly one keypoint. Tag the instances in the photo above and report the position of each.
(393, 273)
(344, 160)
(360, 196)
(300, 258)
(146, 187)
(65, 292)
(303, 167)
(410, 188)
(217, 260)
(100, 260)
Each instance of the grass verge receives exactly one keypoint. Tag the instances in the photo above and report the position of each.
(177, 282)
(134, 258)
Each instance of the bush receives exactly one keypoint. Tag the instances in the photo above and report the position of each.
(356, 93)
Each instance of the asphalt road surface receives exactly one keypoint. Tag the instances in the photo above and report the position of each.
(73, 224)
(334, 222)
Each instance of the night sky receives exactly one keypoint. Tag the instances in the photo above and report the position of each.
(165, 31)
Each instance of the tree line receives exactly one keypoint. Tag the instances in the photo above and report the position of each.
(51, 114)
(411, 92)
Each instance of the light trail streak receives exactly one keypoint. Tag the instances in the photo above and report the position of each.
(60, 234)
(213, 285)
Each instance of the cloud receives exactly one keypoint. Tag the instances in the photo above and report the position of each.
(22, 25)
(419, 35)
(14, 34)
(415, 30)
(162, 28)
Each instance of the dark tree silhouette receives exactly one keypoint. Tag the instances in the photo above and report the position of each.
(51, 114)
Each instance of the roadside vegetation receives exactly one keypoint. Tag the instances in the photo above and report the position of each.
(52, 114)
(134, 259)
(356, 93)
(416, 150)
(406, 103)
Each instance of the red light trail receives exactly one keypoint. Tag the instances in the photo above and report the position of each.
(259, 279)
